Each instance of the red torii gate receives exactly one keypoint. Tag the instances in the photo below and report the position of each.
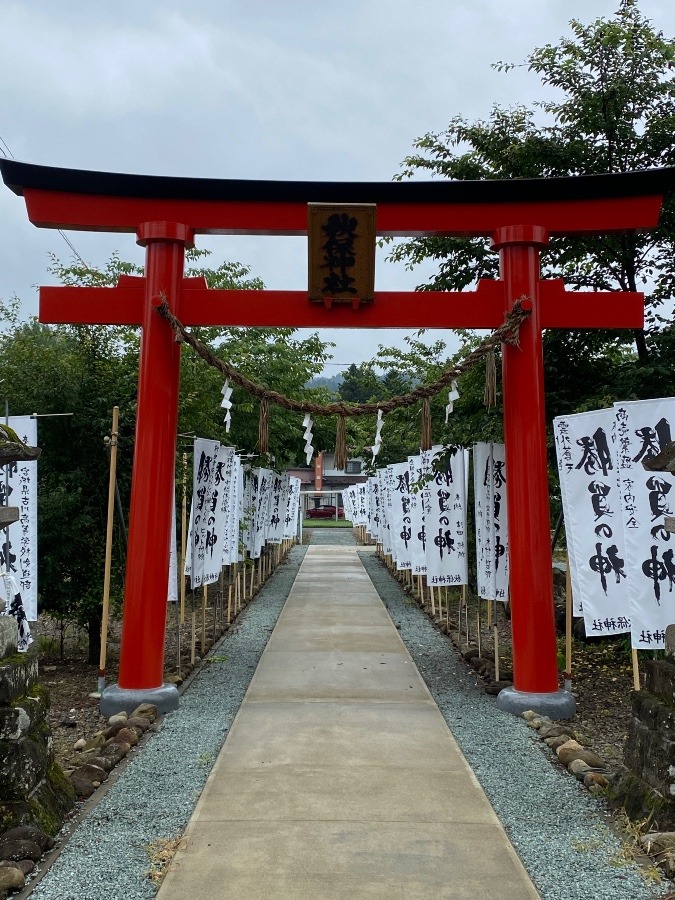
(165, 213)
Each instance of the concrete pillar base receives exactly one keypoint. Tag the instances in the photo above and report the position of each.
(556, 705)
(115, 699)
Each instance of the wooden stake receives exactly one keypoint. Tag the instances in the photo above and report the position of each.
(229, 603)
(203, 642)
(496, 651)
(636, 670)
(478, 634)
(568, 621)
(193, 630)
(105, 612)
(183, 542)
(466, 611)
(433, 601)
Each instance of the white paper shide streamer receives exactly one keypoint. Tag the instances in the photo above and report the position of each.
(453, 394)
(227, 404)
(377, 443)
(307, 424)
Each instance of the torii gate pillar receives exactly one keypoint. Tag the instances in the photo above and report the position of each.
(530, 556)
(141, 674)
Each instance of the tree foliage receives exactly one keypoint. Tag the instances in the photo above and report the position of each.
(87, 370)
(611, 108)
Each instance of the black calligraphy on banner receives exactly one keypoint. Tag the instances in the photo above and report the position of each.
(586, 447)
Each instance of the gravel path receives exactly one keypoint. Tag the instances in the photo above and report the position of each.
(557, 828)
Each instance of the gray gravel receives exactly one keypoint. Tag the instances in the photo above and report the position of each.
(558, 829)
(156, 793)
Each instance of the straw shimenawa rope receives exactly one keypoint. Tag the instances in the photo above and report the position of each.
(507, 333)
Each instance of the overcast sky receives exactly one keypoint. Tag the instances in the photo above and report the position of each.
(256, 89)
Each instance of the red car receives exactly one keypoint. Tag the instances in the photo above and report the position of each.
(325, 512)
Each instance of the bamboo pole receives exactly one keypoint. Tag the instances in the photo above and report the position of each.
(496, 638)
(105, 612)
(636, 670)
(568, 622)
(193, 629)
(465, 604)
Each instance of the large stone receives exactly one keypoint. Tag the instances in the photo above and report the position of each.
(83, 787)
(145, 711)
(19, 849)
(567, 751)
(14, 723)
(25, 866)
(126, 736)
(92, 772)
(11, 879)
(29, 833)
(551, 731)
(577, 766)
(596, 779)
(138, 722)
(17, 674)
(23, 764)
(670, 643)
(9, 635)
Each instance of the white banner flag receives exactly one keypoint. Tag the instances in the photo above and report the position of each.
(417, 467)
(643, 429)
(384, 509)
(204, 468)
(592, 509)
(400, 515)
(292, 508)
(21, 491)
(489, 483)
(445, 523)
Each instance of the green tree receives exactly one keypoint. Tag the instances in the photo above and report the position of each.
(612, 110)
(360, 384)
(87, 370)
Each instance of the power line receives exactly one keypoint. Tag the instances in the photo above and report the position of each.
(6, 148)
(4, 144)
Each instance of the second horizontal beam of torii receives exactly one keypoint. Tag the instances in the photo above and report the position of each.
(483, 308)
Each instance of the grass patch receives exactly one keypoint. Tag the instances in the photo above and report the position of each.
(326, 523)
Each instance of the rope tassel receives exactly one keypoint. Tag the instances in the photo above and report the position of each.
(341, 444)
(263, 426)
(490, 395)
(425, 440)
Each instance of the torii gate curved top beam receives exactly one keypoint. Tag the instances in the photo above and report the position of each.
(165, 213)
(76, 199)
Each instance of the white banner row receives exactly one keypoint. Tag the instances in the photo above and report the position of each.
(235, 508)
(417, 510)
(621, 556)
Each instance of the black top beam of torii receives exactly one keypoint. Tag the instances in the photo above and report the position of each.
(77, 199)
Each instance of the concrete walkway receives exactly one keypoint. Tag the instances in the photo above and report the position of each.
(340, 779)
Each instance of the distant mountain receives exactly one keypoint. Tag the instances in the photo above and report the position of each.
(332, 383)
